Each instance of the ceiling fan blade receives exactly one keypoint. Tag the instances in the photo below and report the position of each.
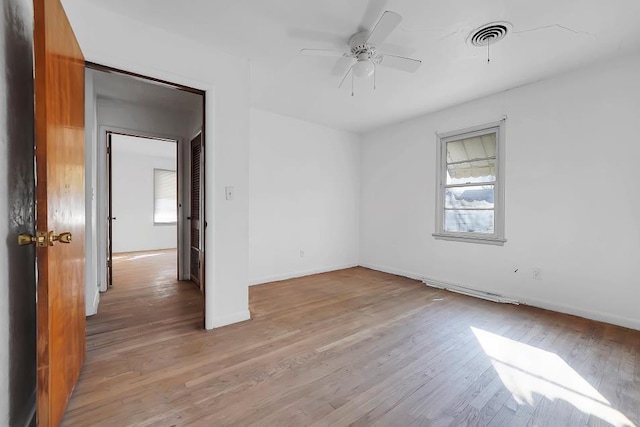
(409, 65)
(372, 13)
(345, 76)
(386, 24)
(321, 52)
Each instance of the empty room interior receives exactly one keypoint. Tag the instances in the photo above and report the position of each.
(367, 212)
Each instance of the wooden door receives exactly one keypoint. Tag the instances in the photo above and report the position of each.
(59, 100)
(195, 211)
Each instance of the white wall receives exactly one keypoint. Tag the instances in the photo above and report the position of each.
(132, 196)
(304, 192)
(18, 376)
(157, 121)
(572, 204)
(155, 52)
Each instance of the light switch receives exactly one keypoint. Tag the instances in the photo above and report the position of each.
(228, 191)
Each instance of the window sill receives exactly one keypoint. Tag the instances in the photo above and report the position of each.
(470, 239)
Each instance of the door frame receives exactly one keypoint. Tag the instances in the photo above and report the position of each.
(207, 89)
(103, 140)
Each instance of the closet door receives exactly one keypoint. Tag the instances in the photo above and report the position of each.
(196, 210)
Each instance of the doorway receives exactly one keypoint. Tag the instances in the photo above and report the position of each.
(142, 131)
(143, 201)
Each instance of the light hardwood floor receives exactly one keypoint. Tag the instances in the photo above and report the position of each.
(351, 347)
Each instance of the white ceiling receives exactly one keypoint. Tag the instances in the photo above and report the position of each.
(128, 89)
(549, 37)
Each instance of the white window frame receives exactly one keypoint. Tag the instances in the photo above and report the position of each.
(498, 236)
(155, 197)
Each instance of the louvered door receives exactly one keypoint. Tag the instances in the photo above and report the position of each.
(196, 209)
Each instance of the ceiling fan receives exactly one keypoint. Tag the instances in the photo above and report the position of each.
(365, 56)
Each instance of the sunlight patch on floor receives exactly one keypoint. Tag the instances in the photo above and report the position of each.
(135, 257)
(526, 370)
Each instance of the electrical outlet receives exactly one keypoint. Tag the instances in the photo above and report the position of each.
(537, 273)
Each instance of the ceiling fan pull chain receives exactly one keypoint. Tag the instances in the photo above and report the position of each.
(488, 52)
(374, 74)
(352, 83)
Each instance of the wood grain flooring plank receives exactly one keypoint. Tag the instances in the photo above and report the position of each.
(350, 347)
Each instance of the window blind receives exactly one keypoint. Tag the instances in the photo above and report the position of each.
(165, 196)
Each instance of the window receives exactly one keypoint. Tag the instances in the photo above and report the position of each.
(165, 197)
(470, 200)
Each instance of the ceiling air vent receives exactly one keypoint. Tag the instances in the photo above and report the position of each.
(489, 34)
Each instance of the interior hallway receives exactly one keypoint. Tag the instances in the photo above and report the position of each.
(351, 346)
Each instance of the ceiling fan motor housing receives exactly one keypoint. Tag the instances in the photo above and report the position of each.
(361, 50)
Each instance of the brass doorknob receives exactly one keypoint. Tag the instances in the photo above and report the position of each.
(62, 237)
(26, 239)
(42, 238)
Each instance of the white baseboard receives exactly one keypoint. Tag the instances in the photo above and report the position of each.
(220, 321)
(453, 287)
(285, 276)
(392, 270)
(580, 312)
(547, 305)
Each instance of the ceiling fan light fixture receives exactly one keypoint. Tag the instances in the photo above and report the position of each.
(363, 68)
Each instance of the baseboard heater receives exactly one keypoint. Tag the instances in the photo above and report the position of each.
(489, 296)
